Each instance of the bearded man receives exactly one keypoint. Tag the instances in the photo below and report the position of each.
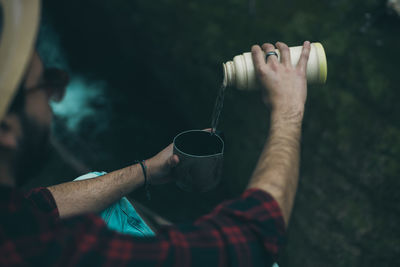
(58, 225)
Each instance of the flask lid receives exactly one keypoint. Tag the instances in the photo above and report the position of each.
(323, 68)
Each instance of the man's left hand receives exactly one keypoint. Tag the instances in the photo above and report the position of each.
(160, 166)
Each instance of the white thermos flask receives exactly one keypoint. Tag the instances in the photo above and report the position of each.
(240, 72)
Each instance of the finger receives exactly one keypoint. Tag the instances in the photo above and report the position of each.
(305, 54)
(267, 47)
(258, 57)
(285, 53)
(173, 161)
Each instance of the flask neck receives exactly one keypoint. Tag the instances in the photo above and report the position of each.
(229, 74)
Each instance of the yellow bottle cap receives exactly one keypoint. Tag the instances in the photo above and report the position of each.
(323, 67)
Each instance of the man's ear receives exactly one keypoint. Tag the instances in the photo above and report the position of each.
(10, 131)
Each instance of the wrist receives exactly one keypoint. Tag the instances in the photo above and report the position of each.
(146, 177)
(288, 115)
(149, 168)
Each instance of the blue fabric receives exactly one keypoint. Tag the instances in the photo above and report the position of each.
(121, 216)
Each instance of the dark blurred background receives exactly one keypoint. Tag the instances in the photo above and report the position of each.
(143, 71)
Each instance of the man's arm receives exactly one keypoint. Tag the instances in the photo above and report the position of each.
(277, 170)
(94, 195)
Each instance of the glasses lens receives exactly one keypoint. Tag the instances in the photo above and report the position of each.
(56, 81)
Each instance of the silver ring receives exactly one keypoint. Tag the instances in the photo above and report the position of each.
(270, 54)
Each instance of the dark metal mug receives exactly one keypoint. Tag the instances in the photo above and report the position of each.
(200, 160)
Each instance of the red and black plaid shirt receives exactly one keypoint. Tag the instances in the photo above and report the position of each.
(247, 231)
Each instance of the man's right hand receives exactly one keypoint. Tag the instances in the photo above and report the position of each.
(284, 85)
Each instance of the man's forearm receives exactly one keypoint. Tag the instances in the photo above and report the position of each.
(277, 170)
(94, 195)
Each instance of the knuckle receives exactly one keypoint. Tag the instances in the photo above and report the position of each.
(306, 52)
(267, 46)
(285, 48)
(263, 72)
(282, 45)
(287, 68)
(258, 67)
(274, 66)
(305, 59)
(301, 71)
(254, 48)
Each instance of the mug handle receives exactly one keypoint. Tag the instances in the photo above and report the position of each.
(17, 39)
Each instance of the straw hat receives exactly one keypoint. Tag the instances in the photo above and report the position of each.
(18, 35)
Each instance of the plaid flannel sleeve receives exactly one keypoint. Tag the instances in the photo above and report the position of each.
(42, 200)
(248, 231)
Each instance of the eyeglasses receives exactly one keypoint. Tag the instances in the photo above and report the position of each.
(54, 83)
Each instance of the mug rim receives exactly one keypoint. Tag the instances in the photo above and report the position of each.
(196, 156)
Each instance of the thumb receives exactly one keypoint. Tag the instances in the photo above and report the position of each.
(173, 161)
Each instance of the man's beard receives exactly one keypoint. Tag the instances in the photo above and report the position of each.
(33, 148)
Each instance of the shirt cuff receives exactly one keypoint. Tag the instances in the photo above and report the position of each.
(44, 201)
(270, 211)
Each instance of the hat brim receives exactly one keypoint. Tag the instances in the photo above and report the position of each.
(17, 40)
